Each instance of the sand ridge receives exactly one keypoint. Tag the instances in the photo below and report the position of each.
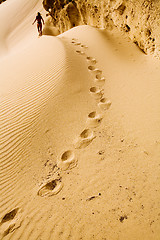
(68, 159)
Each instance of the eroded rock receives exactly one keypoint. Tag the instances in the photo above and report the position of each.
(138, 19)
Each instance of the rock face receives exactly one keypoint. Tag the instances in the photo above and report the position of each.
(139, 19)
(2, 1)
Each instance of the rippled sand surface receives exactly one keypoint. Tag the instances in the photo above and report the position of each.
(79, 133)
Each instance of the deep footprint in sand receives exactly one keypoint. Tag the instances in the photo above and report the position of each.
(91, 68)
(67, 160)
(89, 58)
(50, 188)
(9, 216)
(96, 92)
(92, 60)
(94, 119)
(104, 104)
(98, 72)
(80, 52)
(77, 43)
(84, 46)
(9, 222)
(95, 70)
(99, 79)
(85, 138)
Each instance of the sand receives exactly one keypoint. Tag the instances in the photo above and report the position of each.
(79, 133)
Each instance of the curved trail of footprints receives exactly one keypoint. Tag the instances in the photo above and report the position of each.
(68, 159)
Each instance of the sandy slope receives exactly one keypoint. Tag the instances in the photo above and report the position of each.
(79, 135)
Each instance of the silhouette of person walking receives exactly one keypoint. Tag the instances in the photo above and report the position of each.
(39, 20)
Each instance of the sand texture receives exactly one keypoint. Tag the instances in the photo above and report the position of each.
(79, 132)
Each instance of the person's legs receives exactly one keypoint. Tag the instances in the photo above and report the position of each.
(39, 27)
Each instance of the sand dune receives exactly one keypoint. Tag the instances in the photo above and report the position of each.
(79, 133)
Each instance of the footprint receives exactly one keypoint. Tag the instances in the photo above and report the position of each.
(99, 79)
(9, 216)
(92, 60)
(67, 160)
(95, 70)
(104, 104)
(80, 52)
(98, 72)
(74, 39)
(50, 188)
(96, 92)
(84, 139)
(89, 58)
(78, 43)
(94, 119)
(10, 222)
(84, 46)
(91, 68)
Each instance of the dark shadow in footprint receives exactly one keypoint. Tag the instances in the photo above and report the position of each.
(9, 216)
(92, 115)
(89, 58)
(91, 68)
(50, 188)
(67, 155)
(51, 185)
(98, 76)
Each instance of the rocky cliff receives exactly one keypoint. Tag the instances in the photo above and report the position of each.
(2, 1)
(139, 19)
